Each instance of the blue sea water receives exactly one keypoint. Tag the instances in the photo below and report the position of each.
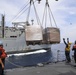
(27, 60)
(56, 53)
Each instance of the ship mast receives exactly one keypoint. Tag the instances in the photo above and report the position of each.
(3, 23)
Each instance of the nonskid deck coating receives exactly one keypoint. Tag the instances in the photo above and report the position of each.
(59, 68)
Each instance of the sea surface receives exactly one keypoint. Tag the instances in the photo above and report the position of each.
(29, 59)
(55, 54)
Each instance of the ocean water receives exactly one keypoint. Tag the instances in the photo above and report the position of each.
(55, 54)
(24, 60)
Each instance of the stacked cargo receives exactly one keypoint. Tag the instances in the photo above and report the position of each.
(51, 35)
(33, 34)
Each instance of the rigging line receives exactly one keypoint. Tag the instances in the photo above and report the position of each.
(29, 9)
(49, 16)
(19, 12)
(52, 16)
(22, 12)
(43, 15)
(38, 20)
(46, 17)
(46, 23)
(35, 13)
(28, 13)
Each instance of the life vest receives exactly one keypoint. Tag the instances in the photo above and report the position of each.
(4, 54)
(74, 46)
(67, 48)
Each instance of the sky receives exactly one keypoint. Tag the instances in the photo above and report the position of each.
(64, 13)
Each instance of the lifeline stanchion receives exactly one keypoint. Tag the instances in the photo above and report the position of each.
(58, 55)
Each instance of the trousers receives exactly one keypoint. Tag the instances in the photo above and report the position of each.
(67, 54)
(0, 69)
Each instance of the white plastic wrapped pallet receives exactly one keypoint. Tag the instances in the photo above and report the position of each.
(52, 35)
(33, 33)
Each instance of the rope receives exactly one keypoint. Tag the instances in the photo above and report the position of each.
(28, 14)
(43, 15)
(20, 11)
(23, 7)
(38, 20)
(20, 14)
(52, 16)
(14, 64)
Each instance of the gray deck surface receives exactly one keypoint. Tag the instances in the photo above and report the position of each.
(59, 68)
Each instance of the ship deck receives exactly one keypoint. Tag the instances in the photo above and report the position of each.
(58, 68)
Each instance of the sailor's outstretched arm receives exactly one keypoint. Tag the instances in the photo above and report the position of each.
(67, 40)
(64, 41)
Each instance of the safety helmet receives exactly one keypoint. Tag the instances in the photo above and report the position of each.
(1, 43)
(69, 43)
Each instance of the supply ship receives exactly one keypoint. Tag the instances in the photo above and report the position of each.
(29, 42)
(17, 38)
(28, 46)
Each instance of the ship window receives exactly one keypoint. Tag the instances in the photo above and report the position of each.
(13, 36)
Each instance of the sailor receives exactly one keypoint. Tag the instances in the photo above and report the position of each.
(74, 49)
(3, 55)
(67, 50)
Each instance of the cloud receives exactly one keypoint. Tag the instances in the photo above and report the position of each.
(64, 12)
